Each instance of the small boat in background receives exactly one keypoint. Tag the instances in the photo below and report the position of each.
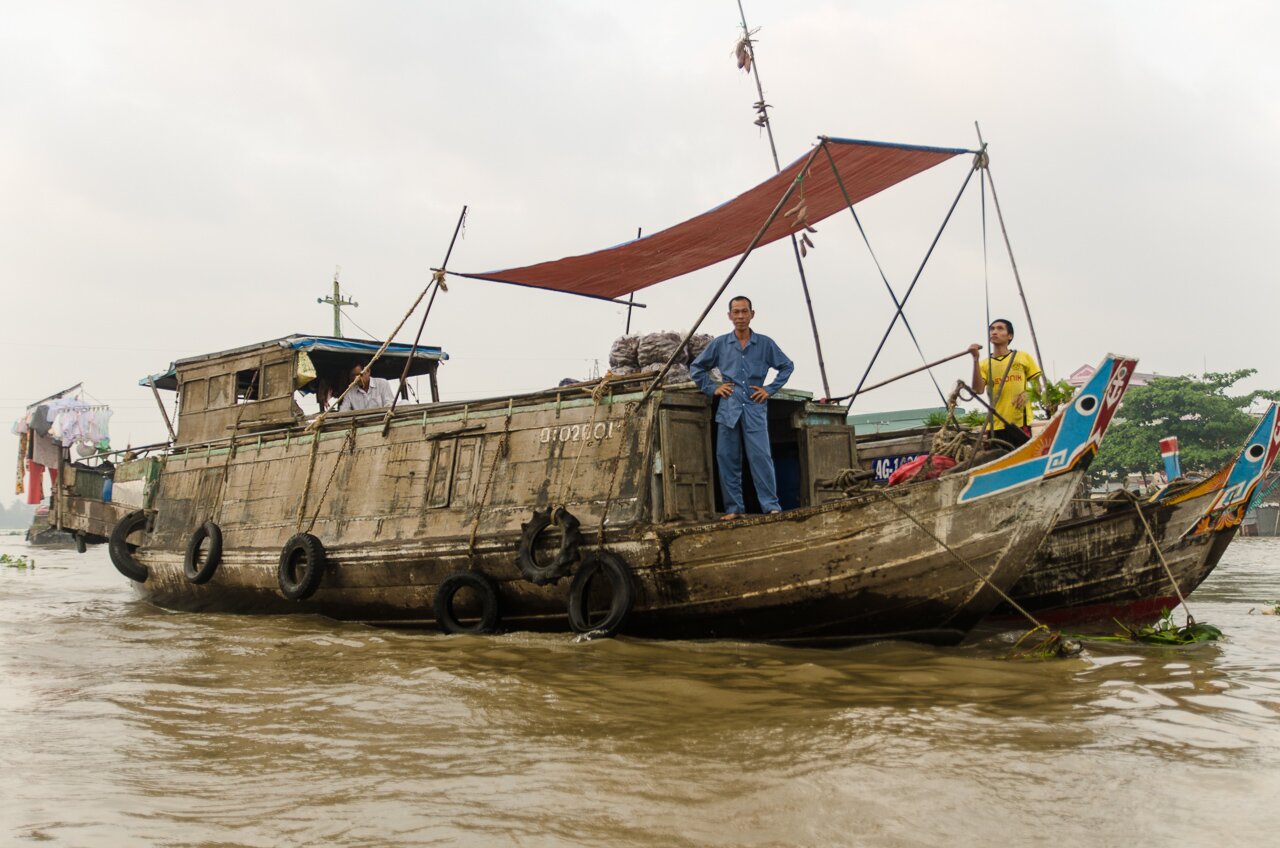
(43, 533)
(1107, 559)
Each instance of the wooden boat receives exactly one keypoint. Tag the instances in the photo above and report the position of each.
(1100, 562)
(369, 516)
(473, 515)
(44, 534)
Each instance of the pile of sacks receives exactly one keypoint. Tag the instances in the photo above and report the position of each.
(639, 354)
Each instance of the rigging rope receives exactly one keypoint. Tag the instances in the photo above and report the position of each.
(916, 279)
(1159, 553)
(348, 442)
(314, 426)
(503, 444)
(1017, 278)
(867, 241)
(353, 321)
(597, 394)
(306, 487)
(1010, 601)
(216, 514)
(986, 271)
(747, 61)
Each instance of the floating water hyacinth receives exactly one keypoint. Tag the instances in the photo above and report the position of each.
(17, 561)
(1166, 632)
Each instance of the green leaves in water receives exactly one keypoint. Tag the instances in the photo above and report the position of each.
(1166, 632)
(17, 561)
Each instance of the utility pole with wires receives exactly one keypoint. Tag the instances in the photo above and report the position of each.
(338, 302)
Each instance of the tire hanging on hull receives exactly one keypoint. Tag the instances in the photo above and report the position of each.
(122, 552)
(570, 539)
(302, 564)
(487, 593)
(622, 594)
(202, 572)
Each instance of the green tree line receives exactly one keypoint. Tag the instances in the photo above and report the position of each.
(1210, 420)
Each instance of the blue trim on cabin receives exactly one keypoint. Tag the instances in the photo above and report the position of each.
(954, 151)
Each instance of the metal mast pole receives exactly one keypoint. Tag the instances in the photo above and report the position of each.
(763, 121)
(631, 298)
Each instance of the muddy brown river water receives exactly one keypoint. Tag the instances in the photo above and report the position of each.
(128, 725)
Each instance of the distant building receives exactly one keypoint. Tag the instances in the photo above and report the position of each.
(867, 423)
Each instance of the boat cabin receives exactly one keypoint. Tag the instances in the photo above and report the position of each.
(811, 445)
(252, 388)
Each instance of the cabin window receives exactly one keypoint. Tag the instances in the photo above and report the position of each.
(247, 386)
(466, 470)
(440, 480)
(278, 380)
(220, 392)
(195, 395)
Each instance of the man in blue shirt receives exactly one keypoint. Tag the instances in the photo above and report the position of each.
(744, 358)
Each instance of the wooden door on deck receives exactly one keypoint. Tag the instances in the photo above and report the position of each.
(825, 451)
(686, 464)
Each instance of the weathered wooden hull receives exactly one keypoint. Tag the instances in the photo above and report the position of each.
(393, 505)
(1103, 567)
(843, 571)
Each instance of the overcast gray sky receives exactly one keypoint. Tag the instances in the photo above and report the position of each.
(180, 178)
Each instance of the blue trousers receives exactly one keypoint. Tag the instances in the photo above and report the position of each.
(729, 445)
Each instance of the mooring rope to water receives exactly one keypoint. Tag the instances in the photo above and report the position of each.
(962, 560)
(348, 442)
(216, 513)
(503, 444)
(306, 488)
(1159, 553)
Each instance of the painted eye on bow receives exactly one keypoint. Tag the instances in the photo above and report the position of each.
(1254, 452)
(1087, 404)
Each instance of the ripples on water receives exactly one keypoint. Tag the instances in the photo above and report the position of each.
(128, 725)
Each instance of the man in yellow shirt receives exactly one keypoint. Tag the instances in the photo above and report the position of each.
(1007, 377)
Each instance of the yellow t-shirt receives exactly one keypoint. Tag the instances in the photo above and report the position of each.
(1005, 382)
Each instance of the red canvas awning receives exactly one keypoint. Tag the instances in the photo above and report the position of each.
(866, 167)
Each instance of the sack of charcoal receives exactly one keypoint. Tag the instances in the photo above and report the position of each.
(625, 354)
(677, 374)
(658, 347)
(698, 344)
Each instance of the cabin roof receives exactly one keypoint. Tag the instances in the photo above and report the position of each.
(894, 420)
(424, 354)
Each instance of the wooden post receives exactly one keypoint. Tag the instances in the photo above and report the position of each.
(173, 437)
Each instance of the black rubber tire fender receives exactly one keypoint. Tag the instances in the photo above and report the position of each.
(570, 540)
(202, 572)
(81, 544)
(614, 569)
(487, 591)
(302, 564)
(122, 552)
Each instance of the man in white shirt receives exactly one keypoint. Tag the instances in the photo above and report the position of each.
(368, 392)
